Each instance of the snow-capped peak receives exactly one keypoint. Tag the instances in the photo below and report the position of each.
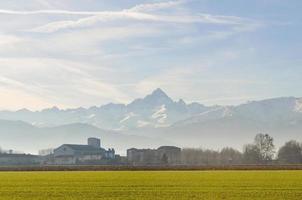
(159, 92)
(158, 96)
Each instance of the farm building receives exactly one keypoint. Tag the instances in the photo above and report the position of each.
(92, 153)
(165, 155)
(9, 159)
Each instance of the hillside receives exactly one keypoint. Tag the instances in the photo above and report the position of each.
(153, 121)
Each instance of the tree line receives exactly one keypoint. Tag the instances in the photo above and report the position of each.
(262, 151)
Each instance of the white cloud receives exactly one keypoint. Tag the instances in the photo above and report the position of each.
(142, 12)
(95, 57)
(15, 99)
(48, 12)
(8, 40)
(123, 15)
(204, 82)
(57, 82)
(156, 6)
(84, 44)
(89, 21)
(135, 9)
(174, 80)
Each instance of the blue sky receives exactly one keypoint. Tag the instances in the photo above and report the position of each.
(91, 52)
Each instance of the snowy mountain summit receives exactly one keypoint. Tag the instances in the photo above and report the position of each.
(159, 110)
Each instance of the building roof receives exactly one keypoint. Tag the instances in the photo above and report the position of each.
(160, 148)
(16, 155)
(79, 147)
(169, 148)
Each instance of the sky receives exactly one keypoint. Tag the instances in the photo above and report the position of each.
(72, 53)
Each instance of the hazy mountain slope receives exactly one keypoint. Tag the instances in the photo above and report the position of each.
(236, 125)
(155, 116)
(155, 110)
(223, 132)
(229, 132)
(24, 137)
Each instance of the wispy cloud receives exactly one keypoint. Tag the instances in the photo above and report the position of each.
(92, 20)
(124, 15)
(49, 12)
(8, 40)
(115, 53)
(137, 8)
(46, 79)
(141, 12)
(156, 6)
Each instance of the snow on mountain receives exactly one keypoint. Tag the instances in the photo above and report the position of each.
(141, 124)
(159, 110)
(155, 110)
(272, 112)
(184, 124)
(160, 115)
(268, 109)
(91, 116)
(127, 117)
(213, 114)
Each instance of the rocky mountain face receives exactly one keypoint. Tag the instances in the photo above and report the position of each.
(155, 120)
(155, 110)
(271, 112)
(159, 110)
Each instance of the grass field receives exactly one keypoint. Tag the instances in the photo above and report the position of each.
(152, 185)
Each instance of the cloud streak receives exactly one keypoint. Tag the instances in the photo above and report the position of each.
(49, 12)
(137, 8)
(141, 12)
(49, 82)
(124, 15)
(156, 6)
(82, 58)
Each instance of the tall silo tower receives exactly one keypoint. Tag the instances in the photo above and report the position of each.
(94, 142)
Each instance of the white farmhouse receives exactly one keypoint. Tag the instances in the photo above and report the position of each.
(92, 153)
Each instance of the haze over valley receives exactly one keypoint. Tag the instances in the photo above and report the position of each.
(153, 121)
(225, 71)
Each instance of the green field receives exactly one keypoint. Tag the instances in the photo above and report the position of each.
(152, 185)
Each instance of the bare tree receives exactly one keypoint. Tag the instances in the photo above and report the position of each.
(251, 154)
(265, 144)
(290, 153)
(226, 156)
(191, 156)
(229, 155)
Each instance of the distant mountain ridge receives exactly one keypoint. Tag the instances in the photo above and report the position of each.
(159, 110)
(24, 137)
(271, 112)
(152, 121)
(155, 110)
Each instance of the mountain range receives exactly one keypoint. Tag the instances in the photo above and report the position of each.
(155, 110)
(152, 121)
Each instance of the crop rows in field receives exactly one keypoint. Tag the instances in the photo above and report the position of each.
(148, 168)
(150, 185)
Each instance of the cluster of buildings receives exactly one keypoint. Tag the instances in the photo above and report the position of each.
(7, 159)
(165, 155)
(93, 154)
